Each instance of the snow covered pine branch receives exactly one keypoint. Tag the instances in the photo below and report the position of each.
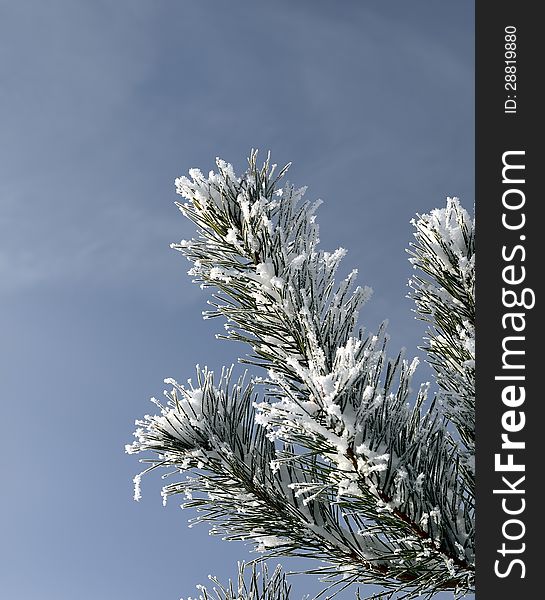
(329, 455)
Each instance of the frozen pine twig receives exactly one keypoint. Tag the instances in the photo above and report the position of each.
(444, 292)
(330, 454)
(257, 586)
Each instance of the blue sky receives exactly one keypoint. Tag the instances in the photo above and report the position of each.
(102, 105)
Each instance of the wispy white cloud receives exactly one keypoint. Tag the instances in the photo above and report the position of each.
(106, 103)
(72, 70)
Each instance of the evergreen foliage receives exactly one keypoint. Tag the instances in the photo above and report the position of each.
(330, 454)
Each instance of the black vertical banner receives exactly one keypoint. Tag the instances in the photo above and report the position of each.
(509, 397)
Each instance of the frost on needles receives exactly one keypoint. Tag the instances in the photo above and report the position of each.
(329, 454)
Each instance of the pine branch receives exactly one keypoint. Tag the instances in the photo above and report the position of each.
(209, 429)
(272, 278)
(259, 586)
(444, 293)
(339, 468)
